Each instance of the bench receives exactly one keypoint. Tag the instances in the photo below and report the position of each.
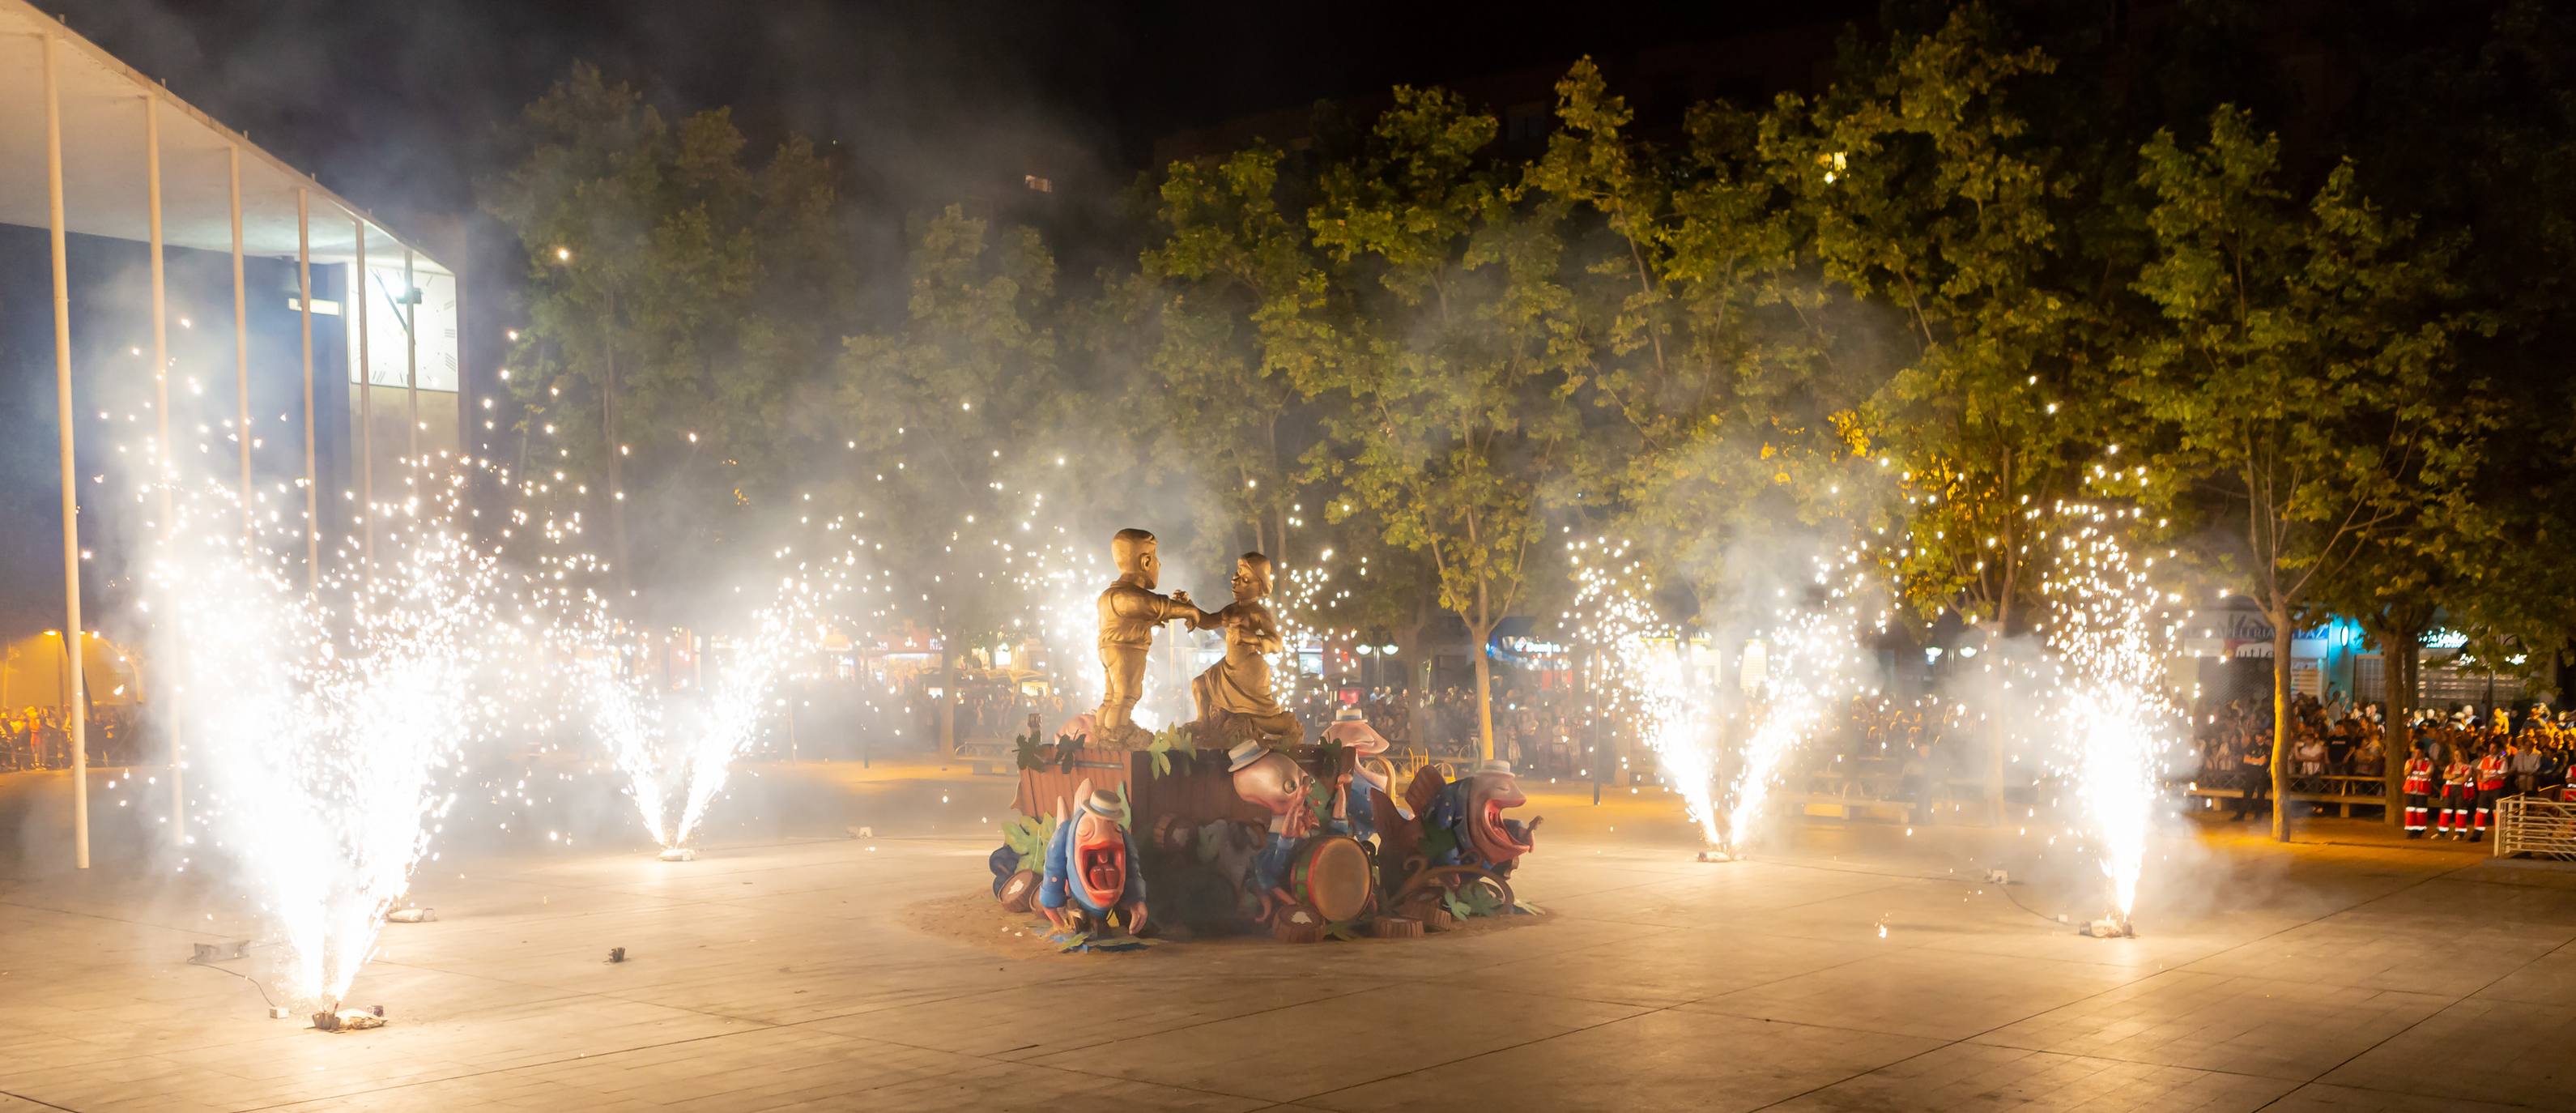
(2341, 791)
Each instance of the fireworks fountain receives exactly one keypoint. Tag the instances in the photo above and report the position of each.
(1810, 668)
(2112, 635)
(1797, 690)
(677, 755)
(1643, 678)
(320, 723)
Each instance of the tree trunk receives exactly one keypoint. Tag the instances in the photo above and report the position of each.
(2398, 654)
(1482, 632)
(947, 694)
(1995, 750)
(1484, 704)
(1419, 694)
(616, 465)
(2280, 723)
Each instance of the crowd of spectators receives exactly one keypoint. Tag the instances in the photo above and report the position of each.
(1883, 747)
(2329, 738)
(2335, 743)
(40, 738)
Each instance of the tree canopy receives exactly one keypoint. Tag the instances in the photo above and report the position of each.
(1998, 259)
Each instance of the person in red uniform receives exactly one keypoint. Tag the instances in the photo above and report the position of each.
(2491, 778)
(2419, 790)
(2459, 792)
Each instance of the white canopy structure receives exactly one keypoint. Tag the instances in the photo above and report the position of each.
(91, 147)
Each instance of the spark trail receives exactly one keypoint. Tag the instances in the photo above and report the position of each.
(2112, 633)
(1644, 680)
(320, 724)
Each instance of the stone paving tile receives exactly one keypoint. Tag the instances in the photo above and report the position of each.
(1666, 1060)
(767, 1063)
(2444, 937)
(2362, 954)
(2163, 942)
(507, 1002)
(1019, 1088)
(1028, 1021)
(2282, 1029)
(1907, 912)
(1435, 958)
(1667, 968)
(1971, 1078)
(293, 1063)
(2317, 1097)
(2512, 1052)
(1294, 1053)
(2549, 979)
(1933, 994)
(1606, 878)
(1731, 888)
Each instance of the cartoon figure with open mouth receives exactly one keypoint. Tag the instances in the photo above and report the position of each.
(1091, 869)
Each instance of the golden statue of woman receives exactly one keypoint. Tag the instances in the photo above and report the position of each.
(1234, 695)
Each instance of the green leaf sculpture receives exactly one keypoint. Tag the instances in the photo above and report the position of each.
(1168, 741)
(1029, 836)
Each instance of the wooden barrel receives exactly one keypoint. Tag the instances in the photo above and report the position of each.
(1396, 927)
(1297, 923)
(1331, 873)
(1174, 834)
(1018, 891)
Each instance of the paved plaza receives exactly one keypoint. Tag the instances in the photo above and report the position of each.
(1860, 968)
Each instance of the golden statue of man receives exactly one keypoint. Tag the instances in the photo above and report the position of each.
(1237, 689)
(1129, 612)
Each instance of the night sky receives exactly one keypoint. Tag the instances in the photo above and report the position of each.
(396, 104)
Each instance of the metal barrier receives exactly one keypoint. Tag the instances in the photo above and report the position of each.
(1410, 760)
(2338, 784)
(2531, 825)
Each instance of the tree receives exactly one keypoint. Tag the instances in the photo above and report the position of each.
(1925, 191)
(932, 402)
(2304, 382)
(2395, 585)
(1733, 411)
(1238, 289)
(676, 297)
(1460, 357)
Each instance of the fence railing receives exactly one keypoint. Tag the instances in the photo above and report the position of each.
(2531, 825)
(2339, 784)
(2327, 785)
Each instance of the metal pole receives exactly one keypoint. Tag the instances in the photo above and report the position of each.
(160, 301)
(312, 478)
(77, 713)
(168, 471)
(241, 343)
(464, 377)
(411, 358)
(366, 407)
